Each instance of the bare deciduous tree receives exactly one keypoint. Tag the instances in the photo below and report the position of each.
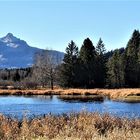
(44, 68)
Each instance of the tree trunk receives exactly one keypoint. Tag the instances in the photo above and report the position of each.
(51, 83)
(51, 74)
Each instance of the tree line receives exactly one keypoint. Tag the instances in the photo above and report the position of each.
(88, 67)
(93, 67)
(12, 77)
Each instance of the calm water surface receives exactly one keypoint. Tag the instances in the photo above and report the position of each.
(18, 106)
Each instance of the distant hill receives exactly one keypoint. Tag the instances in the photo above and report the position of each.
(109, 54)
(16, 53)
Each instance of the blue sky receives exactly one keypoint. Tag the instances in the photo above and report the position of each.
(52, 24)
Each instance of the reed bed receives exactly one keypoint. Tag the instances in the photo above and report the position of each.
(110, 93)
(80, 126)
(81, 98)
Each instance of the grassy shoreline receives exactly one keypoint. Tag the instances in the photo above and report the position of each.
(115, 94)
(80, 126)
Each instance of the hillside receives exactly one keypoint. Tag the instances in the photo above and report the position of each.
(16, 53)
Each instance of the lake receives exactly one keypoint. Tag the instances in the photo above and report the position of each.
(30, 106)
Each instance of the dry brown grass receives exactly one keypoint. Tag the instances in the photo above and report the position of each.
(82, 126)
(81, 98)
(111, 93)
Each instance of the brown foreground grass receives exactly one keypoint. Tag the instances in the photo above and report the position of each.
(81, 126)
(111, 93)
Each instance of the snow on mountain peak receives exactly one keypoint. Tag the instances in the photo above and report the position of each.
(11, 41)
(9, 38)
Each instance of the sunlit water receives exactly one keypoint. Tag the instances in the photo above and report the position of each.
(30, 106)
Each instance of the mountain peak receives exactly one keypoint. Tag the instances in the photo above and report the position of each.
(11, 41)
(9, 35)
(9, 38)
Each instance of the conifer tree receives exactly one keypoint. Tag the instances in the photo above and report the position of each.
(132, 65)
(87, 58)
(100, 64)
(115, 72)
(68, 68)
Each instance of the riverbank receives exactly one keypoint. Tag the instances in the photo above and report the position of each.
(115, 94)
(81, 126)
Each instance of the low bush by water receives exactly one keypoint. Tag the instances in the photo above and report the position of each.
(82, 98)
(133, 98)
